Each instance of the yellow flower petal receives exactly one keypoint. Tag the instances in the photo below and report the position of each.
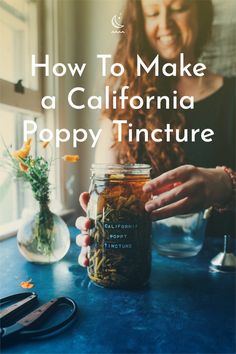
(71, 158)
(23, 167)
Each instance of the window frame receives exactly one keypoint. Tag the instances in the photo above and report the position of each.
(30, 100)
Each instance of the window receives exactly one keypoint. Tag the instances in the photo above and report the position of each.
(19, 38)
(19, 22)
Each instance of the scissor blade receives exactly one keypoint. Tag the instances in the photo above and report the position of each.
(8, 314)
(38, 314)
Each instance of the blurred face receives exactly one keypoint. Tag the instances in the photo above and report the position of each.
(171, 27)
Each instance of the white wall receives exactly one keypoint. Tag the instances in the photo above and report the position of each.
(220, 54)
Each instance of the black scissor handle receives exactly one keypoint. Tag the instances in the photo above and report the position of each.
(38, 315)
(18, 296)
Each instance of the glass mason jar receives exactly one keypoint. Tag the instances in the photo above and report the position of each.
(120, 250)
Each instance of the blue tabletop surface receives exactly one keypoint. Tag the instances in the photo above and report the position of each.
(185, 309)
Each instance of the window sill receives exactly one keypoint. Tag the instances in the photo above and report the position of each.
(10, 229)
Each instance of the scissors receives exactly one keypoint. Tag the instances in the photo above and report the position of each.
(13, 312)
(13, 325)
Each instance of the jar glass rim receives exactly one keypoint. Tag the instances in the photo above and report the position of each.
(132, 169)
(118, 166)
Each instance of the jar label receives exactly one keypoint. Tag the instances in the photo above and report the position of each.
(120, 235)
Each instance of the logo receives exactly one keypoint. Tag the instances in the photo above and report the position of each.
(115, 21)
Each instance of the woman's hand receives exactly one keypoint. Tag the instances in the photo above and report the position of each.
(187, 189)
(83, 239)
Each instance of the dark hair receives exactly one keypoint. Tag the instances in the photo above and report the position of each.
(161, 156)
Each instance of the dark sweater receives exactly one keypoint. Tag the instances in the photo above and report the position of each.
(217, 112)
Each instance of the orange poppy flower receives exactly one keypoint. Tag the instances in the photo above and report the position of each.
(27, 284)
(45, 144)
(28, 142)
(24, 151)
(71, 158)
(23, 167)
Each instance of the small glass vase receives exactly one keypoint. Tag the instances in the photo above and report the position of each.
(43, 237)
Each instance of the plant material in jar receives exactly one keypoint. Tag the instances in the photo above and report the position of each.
(120, 257)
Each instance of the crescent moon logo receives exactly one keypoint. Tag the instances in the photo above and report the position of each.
(115, 22)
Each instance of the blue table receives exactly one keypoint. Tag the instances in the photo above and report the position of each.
(185, 309)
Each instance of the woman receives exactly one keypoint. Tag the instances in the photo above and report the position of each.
(185, 177)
